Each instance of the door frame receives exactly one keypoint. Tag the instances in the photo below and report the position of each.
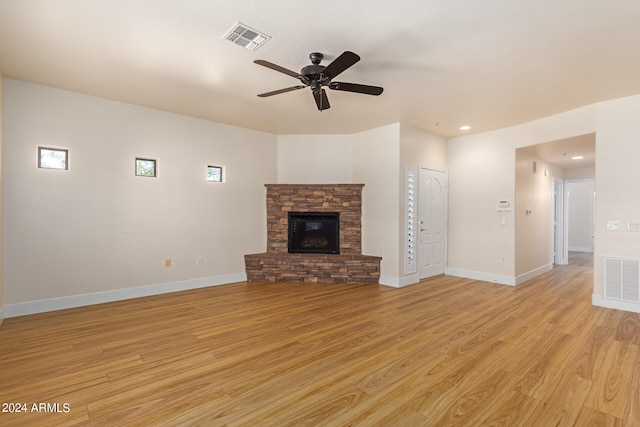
(445, 246)
(559, 230)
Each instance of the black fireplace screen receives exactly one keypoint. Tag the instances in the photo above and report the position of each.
(314, 232)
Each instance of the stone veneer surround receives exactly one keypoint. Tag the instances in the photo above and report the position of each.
(343, 198)
(350, 266)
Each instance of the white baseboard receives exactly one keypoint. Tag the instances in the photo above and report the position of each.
(599, 301)
(580, 249)
(478, 275)
(496, 278)
(1, 314)
(533, 273)
(41, 306)
(399, 282)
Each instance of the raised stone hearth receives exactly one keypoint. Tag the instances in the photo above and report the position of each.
(313, 268)
(278, 265)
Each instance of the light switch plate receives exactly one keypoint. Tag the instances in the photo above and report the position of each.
(613, 225)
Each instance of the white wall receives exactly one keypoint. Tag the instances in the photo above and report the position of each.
(315, 159)
(533, 215)
(482, 172)
(419, 147)
(376, 156)
(617, 175)
(97, 229)
(1, 203)
(580, 215)
(580, 173)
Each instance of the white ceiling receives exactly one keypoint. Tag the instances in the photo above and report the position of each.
(562, 152)
(442, 63)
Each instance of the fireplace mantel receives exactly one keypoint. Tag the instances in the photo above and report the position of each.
(350, 266)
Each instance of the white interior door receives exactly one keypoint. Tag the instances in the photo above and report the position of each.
(432, 225)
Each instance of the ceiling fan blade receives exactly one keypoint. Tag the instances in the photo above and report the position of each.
(321, 99)
(277, 68)
(279, 91)
(341, 63)
(353, 87)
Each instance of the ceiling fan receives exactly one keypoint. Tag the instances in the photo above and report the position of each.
(317, 77)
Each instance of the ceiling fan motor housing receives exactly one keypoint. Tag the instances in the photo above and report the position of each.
(313, 73)
(316, 76)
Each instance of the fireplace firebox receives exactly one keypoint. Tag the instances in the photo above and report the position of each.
(314, 232)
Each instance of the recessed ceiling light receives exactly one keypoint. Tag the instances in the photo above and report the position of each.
(245, 36)
(465, 127)
(577, 158)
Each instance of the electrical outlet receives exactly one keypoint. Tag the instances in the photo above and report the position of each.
(199, 260)
(167, 262)
(633, 226)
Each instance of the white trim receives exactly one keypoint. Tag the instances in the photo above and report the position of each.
(533, 273)
(41, 306)
(559, 234)
(478, 275)
(600, 301)
(399, 282)
(580, 249)
(421, 166)
(1, 314)
(503, 280)
(411, 240)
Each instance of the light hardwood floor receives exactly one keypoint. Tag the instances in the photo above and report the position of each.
(447, 351)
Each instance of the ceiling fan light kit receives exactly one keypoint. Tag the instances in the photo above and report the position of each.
(317, 77)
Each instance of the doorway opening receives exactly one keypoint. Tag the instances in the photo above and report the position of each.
(569, 165)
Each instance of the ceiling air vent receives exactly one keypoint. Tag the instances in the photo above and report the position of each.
(245, 36)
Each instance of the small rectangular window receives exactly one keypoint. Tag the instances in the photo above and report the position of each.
(146, 167)
(214, 173)
(53, 158)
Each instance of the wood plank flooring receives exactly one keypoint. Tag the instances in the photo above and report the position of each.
(447, 351)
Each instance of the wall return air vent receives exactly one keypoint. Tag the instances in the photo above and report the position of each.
(246, 36)
(622, 279)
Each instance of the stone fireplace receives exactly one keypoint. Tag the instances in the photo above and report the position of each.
(318, 201)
